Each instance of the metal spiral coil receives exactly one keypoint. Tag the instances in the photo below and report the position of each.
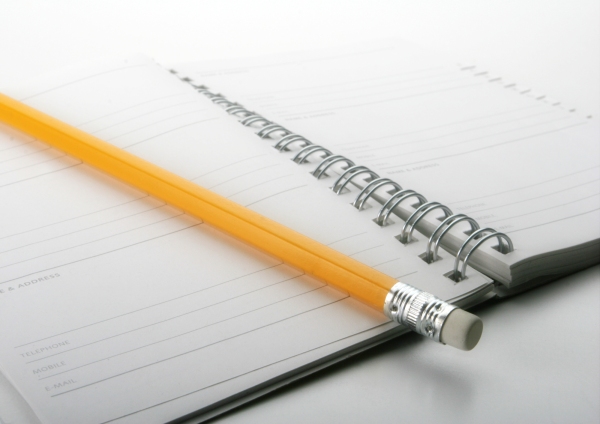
(482, 236)
(409, 225)
(321, 169)
(442, 229)
(405, 304)
(371, 188)
(388, 207)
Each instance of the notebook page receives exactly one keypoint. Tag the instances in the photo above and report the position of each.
(512, 159)
(127, 310)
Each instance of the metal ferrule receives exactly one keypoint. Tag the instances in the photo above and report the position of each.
(420, 311)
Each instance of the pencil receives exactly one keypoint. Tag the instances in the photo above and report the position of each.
(420, 311)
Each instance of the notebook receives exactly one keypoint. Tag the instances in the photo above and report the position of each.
(128, 311)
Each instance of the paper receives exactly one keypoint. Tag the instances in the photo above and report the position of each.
(118, 308)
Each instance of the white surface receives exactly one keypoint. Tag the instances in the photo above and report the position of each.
(538, 360)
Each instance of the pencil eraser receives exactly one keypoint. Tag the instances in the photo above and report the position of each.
(461, 330)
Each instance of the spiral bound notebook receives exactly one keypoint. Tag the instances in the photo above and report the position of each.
(127, 311)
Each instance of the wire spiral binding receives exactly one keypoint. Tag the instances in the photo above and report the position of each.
(349, 174)
(370, 189)
(326, 163)
(384, 213)
(456, 276)
(309, 150)
(287, 140)
(290, 139)
(409, 225)
(435, 238)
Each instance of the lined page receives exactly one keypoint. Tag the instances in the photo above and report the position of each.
(511, 158)
(124, 309)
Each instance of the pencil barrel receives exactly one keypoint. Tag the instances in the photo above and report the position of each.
(322, 262)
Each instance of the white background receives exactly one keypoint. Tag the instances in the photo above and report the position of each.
(539, 359)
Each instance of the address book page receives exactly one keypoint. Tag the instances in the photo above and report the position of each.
(116, 307)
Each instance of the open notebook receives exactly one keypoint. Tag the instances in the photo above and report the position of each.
(127, 311)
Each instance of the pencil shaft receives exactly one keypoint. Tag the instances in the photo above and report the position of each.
(315, 259)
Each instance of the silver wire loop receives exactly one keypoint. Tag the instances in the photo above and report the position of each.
(305, 152)
(210, 94)
(236, 109)
(451, 221)
(408, 227)
(289, 139)
(349, 174)
(388, 207)
(271, 128)
(249, 120)
(476, 234)
(200, 88)
(326, 163)
(220, 100)
(369, 189)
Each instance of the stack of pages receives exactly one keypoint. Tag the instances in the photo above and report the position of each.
(126, 310)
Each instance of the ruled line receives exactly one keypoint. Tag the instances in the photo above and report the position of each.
(259, 184)
(26, 154)
(84, 229)
(34, 164)
(200, 348)
(153, 305)
(193, 112)
(439, 126)
(545, 209)
(346, 238)
(90, 242)
(169, 131)
(552, 222)
(387, 262)
(21, 144)
(534, 198)
(81, 79)
(76, 217)
(360, 150)
(291, 114)
(276, 194)
(100, 254)
(487, 147)
(443, 146)
(41, 175)
(405, 275)
(387, 323)
(145, 102)
(161, 322)
(228, 165)
(365, 250)
(358, 96)
(243, 175)
(525, 187)
(187, 332)
(116, 124)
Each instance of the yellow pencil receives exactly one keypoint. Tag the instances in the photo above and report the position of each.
(420, 311)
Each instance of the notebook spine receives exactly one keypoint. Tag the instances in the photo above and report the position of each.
(286, 140)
